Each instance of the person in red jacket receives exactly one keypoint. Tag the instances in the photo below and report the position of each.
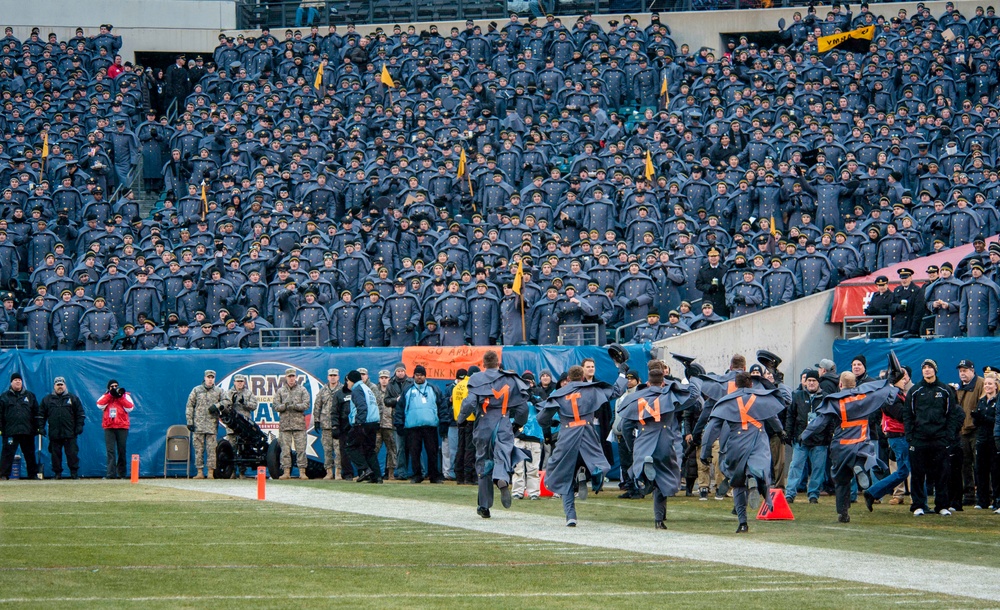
(116, 404)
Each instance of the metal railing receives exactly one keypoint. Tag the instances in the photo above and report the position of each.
(866, 327)
(578, 334)
(14, 340)
(272, 338)
(254, 14)
(620, 331)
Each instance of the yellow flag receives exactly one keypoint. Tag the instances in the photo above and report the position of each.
(663, 87)
(386, 78)
(204, 200)
(463, 171)
(319, 77)
(774, 231)
(855, 40)
(518, 278)
(45, 144)
(650, 170)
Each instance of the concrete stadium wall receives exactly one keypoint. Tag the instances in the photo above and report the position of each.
(194, 25)
(703, 28)
(145, 25)
(797, 332)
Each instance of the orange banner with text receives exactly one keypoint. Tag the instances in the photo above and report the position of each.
(444, 362)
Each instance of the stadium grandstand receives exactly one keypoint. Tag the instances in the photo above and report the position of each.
(541, 178)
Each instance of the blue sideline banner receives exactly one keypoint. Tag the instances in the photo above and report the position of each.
(160, 381)
(912, 352)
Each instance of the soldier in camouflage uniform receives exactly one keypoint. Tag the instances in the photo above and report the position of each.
(386, 432)
(324, 419)
(292, 402)
(203, 425)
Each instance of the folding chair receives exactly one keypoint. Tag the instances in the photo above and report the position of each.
(178, 450)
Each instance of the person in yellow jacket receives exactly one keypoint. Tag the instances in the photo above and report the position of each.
(465, 455)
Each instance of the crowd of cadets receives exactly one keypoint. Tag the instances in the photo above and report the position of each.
(630, 176)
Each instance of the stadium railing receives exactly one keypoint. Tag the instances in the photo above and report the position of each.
(866, 327)
(578, 334)
(14, 340)
(276, 338)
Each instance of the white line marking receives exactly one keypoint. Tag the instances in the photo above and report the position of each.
(508, 594)
(943, 577)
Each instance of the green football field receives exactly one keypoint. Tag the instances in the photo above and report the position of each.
(111, 544)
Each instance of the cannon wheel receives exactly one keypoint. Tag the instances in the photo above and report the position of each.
(225, 460)
(274, 459)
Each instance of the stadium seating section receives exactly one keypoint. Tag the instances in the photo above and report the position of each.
(585, 173)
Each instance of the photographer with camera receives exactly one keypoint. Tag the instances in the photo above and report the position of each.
(204, 426)
(116, 405)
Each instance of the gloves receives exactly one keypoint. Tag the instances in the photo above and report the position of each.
(64, 340)
(739, 299)
(785, 440)
(633, 303)
(191, 427)
(317, 427)
(443, 430)
(335, 432)
(41, 431)
(410, 328)
(623, 368)
(515, 429)
(706, 462)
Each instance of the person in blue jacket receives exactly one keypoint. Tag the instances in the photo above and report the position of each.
(419, 412)
(364, 418)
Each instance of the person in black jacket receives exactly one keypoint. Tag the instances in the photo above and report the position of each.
(881, 302)
(829, 380)
(64, 415)
(932, 417)
(987, 464)
(797, 417)
(710, 282)
(20, 421)
(908, 306)
(397, 385)
(340, 424)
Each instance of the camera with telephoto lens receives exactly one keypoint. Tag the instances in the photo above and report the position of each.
(117, 392)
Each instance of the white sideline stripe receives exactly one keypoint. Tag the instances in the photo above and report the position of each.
(345, 566)
(916, 537)
(899, 572)
(11, 545)
(494, 594)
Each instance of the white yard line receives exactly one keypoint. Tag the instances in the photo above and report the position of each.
(904, 573)
(396, 595)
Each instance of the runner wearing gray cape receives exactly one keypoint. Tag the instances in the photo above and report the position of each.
(657, 450)
(852, 453)
(495, 396)
(744, 450)
(577, 404)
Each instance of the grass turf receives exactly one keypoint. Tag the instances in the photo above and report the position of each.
(969, 537)
(110, 544)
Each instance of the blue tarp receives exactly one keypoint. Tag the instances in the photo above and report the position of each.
(160, 381)
(912, 352)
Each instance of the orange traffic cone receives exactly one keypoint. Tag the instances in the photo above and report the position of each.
(780, 511)
(544, 492)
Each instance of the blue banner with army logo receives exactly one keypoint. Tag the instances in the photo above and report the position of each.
(159, 382)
